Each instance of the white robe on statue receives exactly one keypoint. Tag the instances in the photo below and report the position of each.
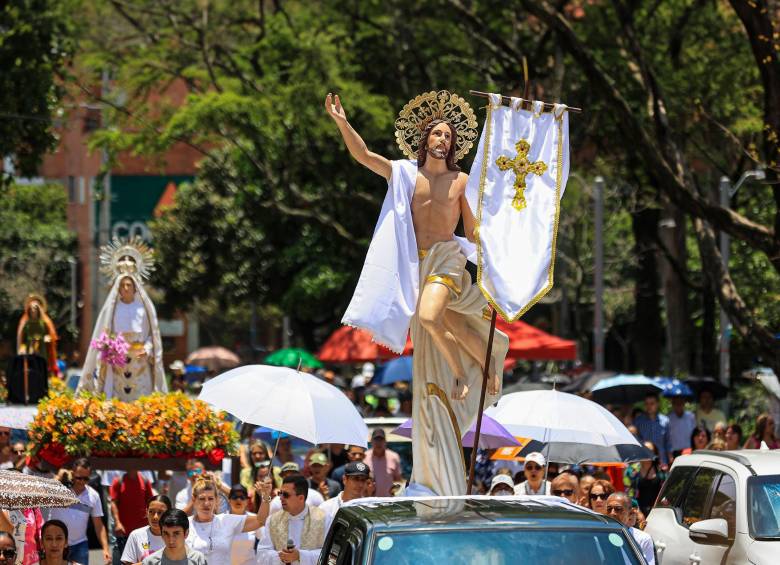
(137, 323)
(384, 304)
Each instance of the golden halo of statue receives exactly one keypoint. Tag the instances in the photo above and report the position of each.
(33, 297)
(127, 257)
(442, 105)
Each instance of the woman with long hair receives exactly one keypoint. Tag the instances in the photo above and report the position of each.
(734, 437)
(54, 544)
(144, 541)
(650, 480)
(212, 534)
(765, 431)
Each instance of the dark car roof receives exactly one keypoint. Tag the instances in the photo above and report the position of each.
(528, 511)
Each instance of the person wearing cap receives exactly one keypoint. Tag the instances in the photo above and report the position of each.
(364, 377)
(319, 481)
(502, 485)
(533, 470)
(177, 376)
(356, 474)
(314, 498)
(242, 551)
(354, 453)
(385, 464)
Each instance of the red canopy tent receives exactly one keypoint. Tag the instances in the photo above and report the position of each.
(528, 342)
(350, 345)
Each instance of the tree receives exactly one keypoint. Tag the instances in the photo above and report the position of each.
(35, 43)
(35, 248)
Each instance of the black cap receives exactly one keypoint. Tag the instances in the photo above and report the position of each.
(379, 432)
(238, 490)
(356, 469)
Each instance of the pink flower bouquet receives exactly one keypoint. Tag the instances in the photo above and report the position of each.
(112, 349)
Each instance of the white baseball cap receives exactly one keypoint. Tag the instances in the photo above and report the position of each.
(535, 457)
(502, 479)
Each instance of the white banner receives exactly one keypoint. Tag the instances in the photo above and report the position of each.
(515, 188)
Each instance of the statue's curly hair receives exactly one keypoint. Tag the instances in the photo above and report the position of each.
(422, 149)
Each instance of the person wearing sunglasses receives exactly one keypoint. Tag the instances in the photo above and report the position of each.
(599, 493)
(305, 526)
(54, 545)
(210, 533)
(619, 508)
(7, 549)
(243, 549)
(76, 519)
(533, 470)
(566, 486)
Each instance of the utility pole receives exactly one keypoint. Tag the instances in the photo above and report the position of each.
(725, 323)
(727, 192)
(104, 233)
(598, 274)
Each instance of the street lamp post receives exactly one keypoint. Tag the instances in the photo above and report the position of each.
(726, 194)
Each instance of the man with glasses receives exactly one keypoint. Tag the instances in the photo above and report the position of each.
(313, 498)
(533, 470)
(619, 508)
(566, 486)
(297, 534)
(77, 516)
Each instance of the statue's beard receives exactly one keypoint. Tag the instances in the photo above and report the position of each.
(437, 152)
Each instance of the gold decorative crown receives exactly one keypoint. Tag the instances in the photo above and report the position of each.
(443, 105)
(127, 257)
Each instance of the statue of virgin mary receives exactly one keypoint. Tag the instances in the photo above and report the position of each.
(128, 311)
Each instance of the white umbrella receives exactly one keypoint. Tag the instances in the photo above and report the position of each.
(17, 417)
(289, 401)
(574, 429)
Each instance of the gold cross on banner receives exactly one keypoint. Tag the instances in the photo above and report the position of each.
(522, 167)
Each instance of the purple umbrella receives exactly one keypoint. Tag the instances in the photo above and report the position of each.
(492, 435)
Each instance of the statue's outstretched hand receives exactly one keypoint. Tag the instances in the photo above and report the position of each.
(334, 108)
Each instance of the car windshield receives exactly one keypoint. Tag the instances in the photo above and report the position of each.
(503, 546)
(764, 501)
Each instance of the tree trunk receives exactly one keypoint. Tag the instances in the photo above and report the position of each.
(647, 332)
(672, 234)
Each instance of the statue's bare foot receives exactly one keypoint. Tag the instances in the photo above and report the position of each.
(494, 383)
(460, 390)
(494, 380)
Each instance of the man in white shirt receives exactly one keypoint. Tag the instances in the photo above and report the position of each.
(619, 508)
(356, 475)
(534, 476)
(298, 533)
(77, 516)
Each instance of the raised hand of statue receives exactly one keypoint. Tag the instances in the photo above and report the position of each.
(334, 108)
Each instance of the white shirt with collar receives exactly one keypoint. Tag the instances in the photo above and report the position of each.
(645, 543)
(268, 555)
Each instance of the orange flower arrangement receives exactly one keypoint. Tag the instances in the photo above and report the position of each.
(159, 425)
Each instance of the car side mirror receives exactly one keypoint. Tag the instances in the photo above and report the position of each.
(710, 532)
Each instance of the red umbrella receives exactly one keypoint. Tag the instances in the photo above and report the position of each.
(350, 345)
(528, 342)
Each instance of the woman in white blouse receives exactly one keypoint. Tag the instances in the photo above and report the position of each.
(213, 534)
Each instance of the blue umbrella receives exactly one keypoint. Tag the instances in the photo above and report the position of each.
(270, 436)
(624, 389)
(396, 370)
(674, 387)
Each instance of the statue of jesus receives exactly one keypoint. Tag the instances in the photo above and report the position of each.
(415, 278)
